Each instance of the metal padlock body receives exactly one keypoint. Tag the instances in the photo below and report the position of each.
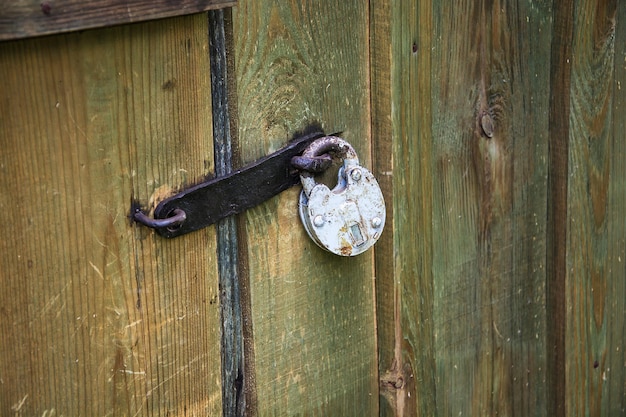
(350, 218)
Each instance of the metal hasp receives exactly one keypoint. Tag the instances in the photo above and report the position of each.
(350, 218)
(206, 203)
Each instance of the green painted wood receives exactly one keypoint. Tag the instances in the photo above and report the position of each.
(99, 316)
(467, 108)
(490, 124)
(596, 186)
(556, 230)
(613, 390)
(312, 313)
(401, 132)
(495, 129)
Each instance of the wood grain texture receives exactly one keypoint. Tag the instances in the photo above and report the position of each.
(469, 92)
(28, 18)
(556, 230)
(312, 312)
(402, 141)
(595, 275)
(99, 316)
(490, 92)
(614, 386)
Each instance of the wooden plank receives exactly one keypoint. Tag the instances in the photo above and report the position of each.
(28, 18)
(312, 312)
(402, 140)
(489, 105)
(556, 306)
(595, 287)
(99, 316)
(614, 369)
(380, 65)
(469, 128)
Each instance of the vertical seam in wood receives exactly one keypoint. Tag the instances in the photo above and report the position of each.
(232, 350)
(381, 154)
(372, 158)
(243, 271)
(560, 81)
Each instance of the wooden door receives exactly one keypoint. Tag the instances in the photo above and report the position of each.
(311, 314)
(494, 128)
(100, 317)
(104, 317)
(500, 290)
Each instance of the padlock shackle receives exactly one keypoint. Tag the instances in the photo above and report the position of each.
(331, 143)
(324, 145)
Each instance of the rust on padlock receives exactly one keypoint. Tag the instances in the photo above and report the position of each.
(348, 219)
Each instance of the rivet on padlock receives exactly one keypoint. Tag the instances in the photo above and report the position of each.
(348, 219)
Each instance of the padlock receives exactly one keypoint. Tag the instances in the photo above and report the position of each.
(350, 218)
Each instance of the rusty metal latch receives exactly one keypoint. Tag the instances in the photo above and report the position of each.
(217, 198)
(346, 220)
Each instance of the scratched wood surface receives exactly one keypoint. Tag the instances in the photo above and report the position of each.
(98, 316)
(595, 275)
(461, 290)
(312, 313)
(27, 18)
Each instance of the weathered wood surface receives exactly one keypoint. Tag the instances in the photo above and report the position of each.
(461, 290)
(234, 382)
(595, 275)
(312, 313)
(27, 18)
(489, 199)
(556, 230)
(495, 129)
(98, 316)
(401, 132)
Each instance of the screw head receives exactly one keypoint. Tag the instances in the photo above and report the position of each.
(377, 222)
(318, 221)
(356, 174)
